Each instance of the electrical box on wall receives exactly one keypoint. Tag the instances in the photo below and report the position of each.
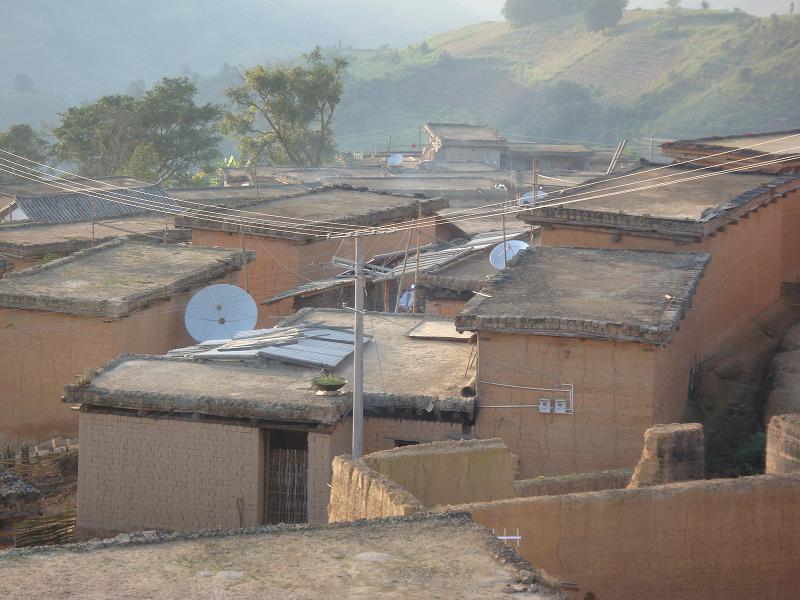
(560, 407)
(545, 405)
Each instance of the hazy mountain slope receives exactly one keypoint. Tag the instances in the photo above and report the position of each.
(670, 75)
(80, 49)
(754, 7)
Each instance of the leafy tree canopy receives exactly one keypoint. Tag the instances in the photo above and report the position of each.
(283, 114)
(157, 137)
(600, 15)
(24, 141)
(522, 12)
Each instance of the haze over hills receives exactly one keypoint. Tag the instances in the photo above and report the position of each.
(754, 7)
(659, 73)
(86, 48)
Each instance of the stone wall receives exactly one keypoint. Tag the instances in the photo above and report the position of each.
(358, 492)
(573, 484)
(442, 473)
(734, 539)
(783, 444)
(140, 474)
(671, 453)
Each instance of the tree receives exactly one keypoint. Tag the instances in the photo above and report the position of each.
(99, 137)
(705, 5)
(284, 113)
(673, 4)
(599, 15)
(522, 12)
(23, 141)
(173, 132)
(159, 136)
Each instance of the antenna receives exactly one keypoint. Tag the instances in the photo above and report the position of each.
(512, 248)
(220, 312)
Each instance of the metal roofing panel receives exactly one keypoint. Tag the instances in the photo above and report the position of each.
(300, 356)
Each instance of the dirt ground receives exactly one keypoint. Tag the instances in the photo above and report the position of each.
(422, 558)
(729, 394)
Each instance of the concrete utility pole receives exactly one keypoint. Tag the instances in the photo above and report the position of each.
(358, 354)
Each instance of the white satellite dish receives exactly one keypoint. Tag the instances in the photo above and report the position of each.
(512, 248)
(395, 160)
(220, 312)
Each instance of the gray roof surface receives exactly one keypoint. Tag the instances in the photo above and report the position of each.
(115, 278)
(687, 201)
(338, 204)
(457, 132)
(400, 372)
(412, 558)
(232, 196)
(590, 293)
(15, 493)
(103, 202)
(767, 143)
(26, 238)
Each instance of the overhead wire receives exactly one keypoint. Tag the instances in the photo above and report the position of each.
(479, 212)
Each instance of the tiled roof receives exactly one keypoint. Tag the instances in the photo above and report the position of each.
(74, 207)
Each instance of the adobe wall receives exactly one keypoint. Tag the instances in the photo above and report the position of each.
(671, 453)
(733, 539)
(749, 261)
(322, 449)
(42, 351)
(358, 492)
(557, 485)
(783, 444)
(450, 472)
(282, 264)
(791, 237)
(141, 474)
(443, 307)
(613, 401)
(382, 434)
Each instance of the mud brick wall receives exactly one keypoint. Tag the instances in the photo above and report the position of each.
(734, 538)
(442, 473)
(141, 474)
(573, 484)
(358, 492)
(783, 444)
(671, 453)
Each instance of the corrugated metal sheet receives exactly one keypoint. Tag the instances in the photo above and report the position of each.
(76, 207)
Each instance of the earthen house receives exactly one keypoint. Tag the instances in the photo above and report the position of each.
(285, 259)
(201, 439)
(452, 142)
(751, 150)
(62, 319)
(748, 222)
(731, 538)
(581, 350)
(26, 244)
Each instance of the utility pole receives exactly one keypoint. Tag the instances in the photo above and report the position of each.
(535, 195)
(358, 353)
(244, 254)
(503, 212)
(93, 217)
(416, 271)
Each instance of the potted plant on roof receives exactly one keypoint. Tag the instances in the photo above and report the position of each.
(328, 382)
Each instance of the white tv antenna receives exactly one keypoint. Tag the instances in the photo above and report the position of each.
(395, 160)
(220, 312)
(512, 248)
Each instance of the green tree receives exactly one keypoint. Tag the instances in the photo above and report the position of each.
(174, 134)
(159, 136)
(24, 141)
(284, 113)
(673, 4)
(599, 15)
(522, 12)
(705, 5)
(98, 137)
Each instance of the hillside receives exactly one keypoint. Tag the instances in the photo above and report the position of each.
(78, 50)
(658, 73)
